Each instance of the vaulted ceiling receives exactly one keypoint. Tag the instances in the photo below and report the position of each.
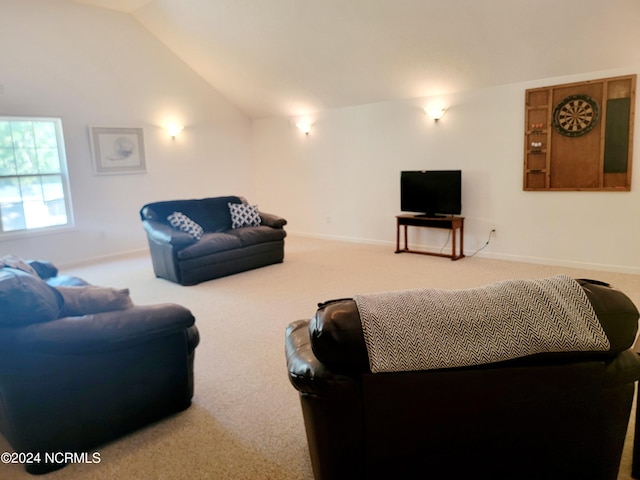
(290, 57)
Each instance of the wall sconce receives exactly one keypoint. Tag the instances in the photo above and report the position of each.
(173, 129)
(435, 111)
(304, 126)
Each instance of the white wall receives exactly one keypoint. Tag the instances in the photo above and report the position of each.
(342, 180)
(94, 67)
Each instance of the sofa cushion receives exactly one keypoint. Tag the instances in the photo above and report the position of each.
(254, 235)
(616, 312)
(88, 299)
(217, 212)
(210, 243)
(244, 215)
(180, 221)
(25, 298)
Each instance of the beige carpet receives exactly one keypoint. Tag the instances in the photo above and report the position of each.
(245, 422)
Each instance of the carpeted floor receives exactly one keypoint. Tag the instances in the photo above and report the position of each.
(245, 421)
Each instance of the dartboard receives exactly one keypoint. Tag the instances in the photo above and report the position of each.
(576, 115)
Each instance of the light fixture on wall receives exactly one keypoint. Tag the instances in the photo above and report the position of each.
(435, 111)
(304, 125)
(174, 129)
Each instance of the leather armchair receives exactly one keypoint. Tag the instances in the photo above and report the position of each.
(551, 416)
(103, 368)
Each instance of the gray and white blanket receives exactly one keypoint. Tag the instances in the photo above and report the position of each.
(426, 329)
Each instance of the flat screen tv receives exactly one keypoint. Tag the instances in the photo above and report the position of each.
(431, 192)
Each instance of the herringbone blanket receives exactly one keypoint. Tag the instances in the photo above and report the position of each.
(426, 329)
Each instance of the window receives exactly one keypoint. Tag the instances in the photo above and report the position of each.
(34, 187)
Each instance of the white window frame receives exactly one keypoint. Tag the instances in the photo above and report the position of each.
(64, 174)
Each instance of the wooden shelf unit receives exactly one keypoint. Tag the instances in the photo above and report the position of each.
(538, 121)
(599, 159)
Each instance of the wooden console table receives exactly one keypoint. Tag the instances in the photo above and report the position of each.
(450, 223)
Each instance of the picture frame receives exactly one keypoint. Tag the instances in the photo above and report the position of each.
(117, 151)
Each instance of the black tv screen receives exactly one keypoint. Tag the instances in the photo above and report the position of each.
(431, 192)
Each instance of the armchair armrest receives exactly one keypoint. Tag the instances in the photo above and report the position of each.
(332, 408)
(100, 332)
(271, 220)
(306, 373)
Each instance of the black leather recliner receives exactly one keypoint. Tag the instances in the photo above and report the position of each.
(81, 365)
(552, 416)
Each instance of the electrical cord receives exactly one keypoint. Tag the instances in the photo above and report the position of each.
(484, 246)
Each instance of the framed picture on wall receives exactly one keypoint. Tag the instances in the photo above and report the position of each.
(117, 150)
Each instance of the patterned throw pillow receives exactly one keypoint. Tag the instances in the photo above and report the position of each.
(180, 221)
(244, 215)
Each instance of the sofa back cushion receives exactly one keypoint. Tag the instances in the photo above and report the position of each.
(25, 299)
(212, 214)
(337, 338)
(88, 299)
(617, 314)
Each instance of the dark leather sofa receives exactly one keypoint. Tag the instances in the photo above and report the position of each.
(221, 249)
(551, 416)
(81, 365)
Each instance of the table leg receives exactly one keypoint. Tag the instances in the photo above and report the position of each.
(453, 243)
(406, 238)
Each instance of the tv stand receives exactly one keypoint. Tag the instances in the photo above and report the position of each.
(452, 223)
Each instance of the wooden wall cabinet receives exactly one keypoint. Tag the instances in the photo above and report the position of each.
(579, 136)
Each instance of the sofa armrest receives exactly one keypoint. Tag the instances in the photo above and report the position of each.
(271, 220)
(332, 409)
(107, 331)
(167, 235)
(306, 373)
(623, 369)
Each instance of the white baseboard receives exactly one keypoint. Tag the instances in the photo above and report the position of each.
(482, 254)
(104, 258)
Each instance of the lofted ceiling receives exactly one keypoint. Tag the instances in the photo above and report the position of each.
(291, 57)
